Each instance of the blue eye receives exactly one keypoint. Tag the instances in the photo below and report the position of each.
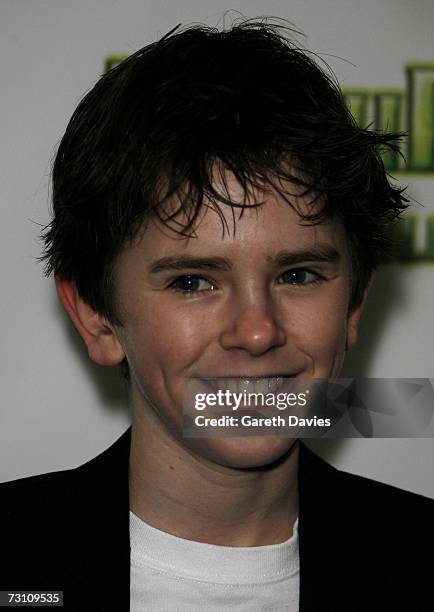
(299, 276)
(190, 283)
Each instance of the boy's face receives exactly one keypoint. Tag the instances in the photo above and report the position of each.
(270, 300)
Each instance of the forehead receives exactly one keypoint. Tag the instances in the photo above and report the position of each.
(247, 234)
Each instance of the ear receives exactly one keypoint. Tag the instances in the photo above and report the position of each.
(354, 317)
(102, 343)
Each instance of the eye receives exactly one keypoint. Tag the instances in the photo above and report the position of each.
(299, 276)
(189, 283)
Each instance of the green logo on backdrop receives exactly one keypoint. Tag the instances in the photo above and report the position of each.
(410, 110)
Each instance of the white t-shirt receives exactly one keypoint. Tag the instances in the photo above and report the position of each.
(177, 575)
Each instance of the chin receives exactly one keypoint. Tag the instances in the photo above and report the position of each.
(245, 452)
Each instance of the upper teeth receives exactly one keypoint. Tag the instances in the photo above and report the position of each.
(249, 385)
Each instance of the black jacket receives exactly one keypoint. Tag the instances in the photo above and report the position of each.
(364, 546)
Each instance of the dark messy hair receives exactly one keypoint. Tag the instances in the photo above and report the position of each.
(153, 127)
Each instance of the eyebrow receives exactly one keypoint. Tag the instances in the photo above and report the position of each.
(321, 253)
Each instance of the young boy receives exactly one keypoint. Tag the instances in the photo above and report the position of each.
(217, 214)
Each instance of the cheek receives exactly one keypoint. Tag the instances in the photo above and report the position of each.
(321, 334)
(163, 340)
(329, 330)
(163, 345)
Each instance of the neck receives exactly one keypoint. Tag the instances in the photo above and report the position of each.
(176, 490)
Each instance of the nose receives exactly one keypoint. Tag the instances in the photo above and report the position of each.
(254, 329)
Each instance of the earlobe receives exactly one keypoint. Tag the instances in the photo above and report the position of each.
(102, 343)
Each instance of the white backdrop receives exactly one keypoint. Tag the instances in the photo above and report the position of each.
(57, 408)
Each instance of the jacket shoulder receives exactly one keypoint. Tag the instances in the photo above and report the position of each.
(379, 495)
(26, 495)
(370, 542)
(402, 520)
(399, 518)
(55, 485)
(348, 486)
(50, 522)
